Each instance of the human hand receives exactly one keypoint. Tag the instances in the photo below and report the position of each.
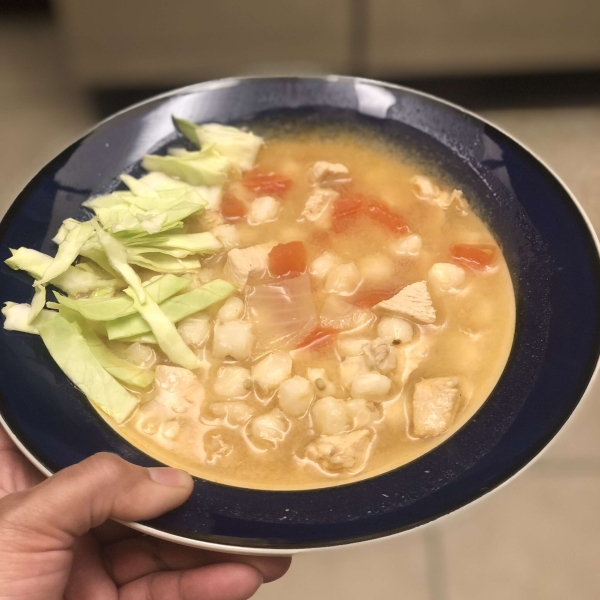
(57, 541)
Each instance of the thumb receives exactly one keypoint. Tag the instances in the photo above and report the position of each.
(85, 495)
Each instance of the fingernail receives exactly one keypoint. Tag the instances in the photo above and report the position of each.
(168, 476)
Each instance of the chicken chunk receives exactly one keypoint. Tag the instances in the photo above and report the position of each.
(177, 388)
(435, 403)
(318, 202)
(272, 370)
(343, 451)
(233, 338)
(331, 416)
(263, 210)
(327, 174)
(447, 277)
(269, 428)
(246, 262)
(425, 189)
(413, 300)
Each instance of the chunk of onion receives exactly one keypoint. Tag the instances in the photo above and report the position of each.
(283, 312)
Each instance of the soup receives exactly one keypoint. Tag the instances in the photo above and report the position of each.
(369, 312)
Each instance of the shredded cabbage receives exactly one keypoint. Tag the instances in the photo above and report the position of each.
(69, 349)
(206, 167)
(117, 257)
(16, 317)
(193, 243)
(167, 336)
(107, 309)
(176, 308)
(240, 147)
(116, 366)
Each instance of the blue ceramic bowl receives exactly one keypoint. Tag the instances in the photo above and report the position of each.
(549, 247)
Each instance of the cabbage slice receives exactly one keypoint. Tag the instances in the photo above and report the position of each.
(175, 308)
(137, 187)
(193, 243)
(161, 182)
(16, 317)
(116, 366)
(70, 351)
(68, 251)
(205, 167)
(106, 309)
(126, 213)
(167, 336)
(161, 263)
(117, 257)
(143, 338)
(240, 147)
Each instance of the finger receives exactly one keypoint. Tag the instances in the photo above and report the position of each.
(215, 582)
(111, 532)
(16, 472)
(134, 558)
(88, 579)
(83, 496)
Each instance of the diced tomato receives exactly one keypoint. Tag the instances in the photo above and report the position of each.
(318, 338)
(384, 216)
(272, 184)
(370, 297)
(474, 256)
(287, 260)
(345, 212)
(232, 209)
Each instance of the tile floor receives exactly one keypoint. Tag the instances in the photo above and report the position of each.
(537, 538)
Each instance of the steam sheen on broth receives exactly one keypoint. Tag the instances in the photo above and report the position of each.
(327, 393)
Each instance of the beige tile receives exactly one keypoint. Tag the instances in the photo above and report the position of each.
(201, 39)
(385, 570)
(536, 539)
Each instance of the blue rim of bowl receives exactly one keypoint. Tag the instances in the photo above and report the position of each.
(463, 468)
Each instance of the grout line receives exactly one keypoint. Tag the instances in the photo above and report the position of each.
(358, 36)
(435, 567)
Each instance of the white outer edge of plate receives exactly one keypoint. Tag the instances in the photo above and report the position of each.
(224, 548)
